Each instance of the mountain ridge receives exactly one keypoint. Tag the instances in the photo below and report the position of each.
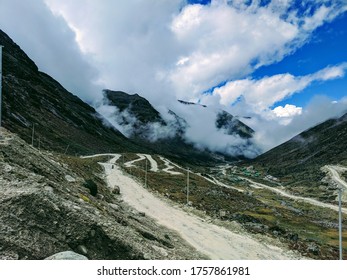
(299, 161)
(63, 122)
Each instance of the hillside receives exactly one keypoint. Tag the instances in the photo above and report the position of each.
(63, 122)
(46, 208)
(298, 162)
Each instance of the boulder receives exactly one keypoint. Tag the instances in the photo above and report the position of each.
(67, 255)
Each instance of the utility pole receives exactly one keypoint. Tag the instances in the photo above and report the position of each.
(0, 81)
(188, 186)
(32, 135)
(66, 149)
(146, 173)
(340, 222)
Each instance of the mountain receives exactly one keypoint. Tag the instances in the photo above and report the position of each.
(227, 122)
(62, 122)
(190, 103)
(231, 125)
(135, 104)
(143, 121)
(298, 162)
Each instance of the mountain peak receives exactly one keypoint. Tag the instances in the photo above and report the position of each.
(232, 125)
(135, 104)
(190, 103)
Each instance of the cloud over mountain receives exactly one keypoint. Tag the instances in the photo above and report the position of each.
(169, 50)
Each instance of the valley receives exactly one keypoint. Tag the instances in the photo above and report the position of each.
(304, 225)
(150, 192)
(214, 241)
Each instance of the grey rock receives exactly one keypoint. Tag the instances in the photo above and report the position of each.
(313, 248)
(7, 168)
(9, 256)
(70, 179)
(67, 255)
(114, 206)
(142, 214)
(116, 190)
(160, 250)
(82, 249)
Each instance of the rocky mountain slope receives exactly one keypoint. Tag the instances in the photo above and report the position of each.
(62, 121)
(137, 106)
(298, 162)
(46, 208)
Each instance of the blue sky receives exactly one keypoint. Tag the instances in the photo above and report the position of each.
(328, 46)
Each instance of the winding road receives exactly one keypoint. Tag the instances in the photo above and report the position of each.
(214, 241)
(294, 197)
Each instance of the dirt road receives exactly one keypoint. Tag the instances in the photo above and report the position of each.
(334, 171)
(214, 241)
(294, 197)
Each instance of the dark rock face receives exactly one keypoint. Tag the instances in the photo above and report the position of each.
(232, 125)
(135, 104)
(190, 103)
(62, 121)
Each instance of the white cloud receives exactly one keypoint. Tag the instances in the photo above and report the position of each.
(130, 42)
(330, 73)
(222, 42)
(275, 131)
(167, 49)
(263, 93)
(287, 111)
(203, 133)
(50, 42)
